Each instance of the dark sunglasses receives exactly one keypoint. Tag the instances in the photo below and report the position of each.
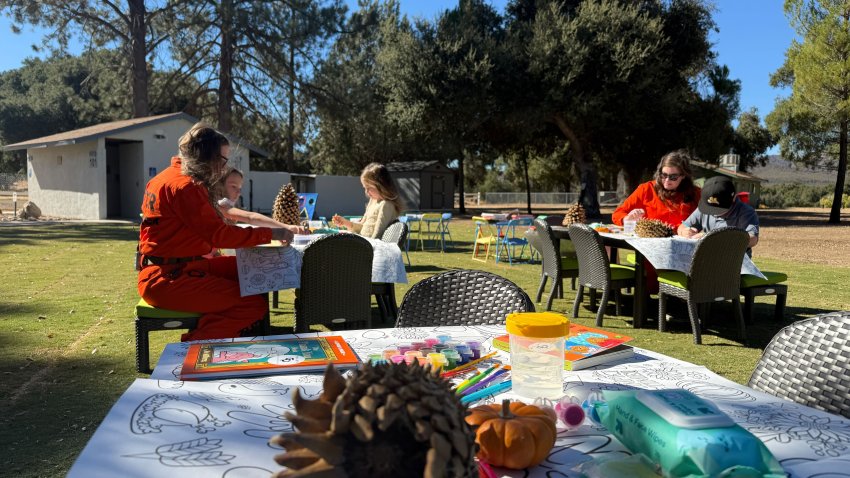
(671, 177)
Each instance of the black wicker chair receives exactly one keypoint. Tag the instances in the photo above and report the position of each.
(595, 270)
(462, 297)
(396, 233)
(553, 266)
(715, 276)
(808, 362)
(336, 282)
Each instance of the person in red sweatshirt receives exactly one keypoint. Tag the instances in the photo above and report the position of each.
(180, 224)
(670, 196)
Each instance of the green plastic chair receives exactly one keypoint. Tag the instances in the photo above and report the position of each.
(150, 318)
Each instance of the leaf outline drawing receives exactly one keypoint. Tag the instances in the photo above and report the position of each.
(197, 452)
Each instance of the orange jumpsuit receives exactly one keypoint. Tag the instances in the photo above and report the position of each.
(180, 223)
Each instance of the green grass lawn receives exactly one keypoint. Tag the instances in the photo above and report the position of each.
(67, 342)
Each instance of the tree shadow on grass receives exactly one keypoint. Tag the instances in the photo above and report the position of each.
(759, 333)
(784, 218)
(65, 405)
(423, 268)
(720, 323)
(81, 233)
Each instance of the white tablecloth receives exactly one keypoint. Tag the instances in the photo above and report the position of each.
(675, 253)
(163, 427)
(269, 268)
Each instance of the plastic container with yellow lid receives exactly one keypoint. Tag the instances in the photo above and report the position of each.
(537, 353)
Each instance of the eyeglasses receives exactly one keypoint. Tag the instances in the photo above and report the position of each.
(671, 177)
(224, 158)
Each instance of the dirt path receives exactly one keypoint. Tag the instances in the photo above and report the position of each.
(803, 235)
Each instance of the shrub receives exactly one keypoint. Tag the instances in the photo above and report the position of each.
(826, 201)
(794, 195)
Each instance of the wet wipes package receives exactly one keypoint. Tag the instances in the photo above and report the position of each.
(684, 435)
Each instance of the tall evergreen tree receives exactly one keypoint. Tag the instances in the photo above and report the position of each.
(62, 93)
(353, 128)
(623, 81)
(812, 124)
(255, 60)
(752, 140)
(440, 78)
(133, 28)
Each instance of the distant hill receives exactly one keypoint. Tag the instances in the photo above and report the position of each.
(780, 171)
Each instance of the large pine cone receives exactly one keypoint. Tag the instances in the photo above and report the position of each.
(575, 213)
(388, 420)
(285, 207)
(653, 228)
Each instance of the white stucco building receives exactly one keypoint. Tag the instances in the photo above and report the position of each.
(100, 171)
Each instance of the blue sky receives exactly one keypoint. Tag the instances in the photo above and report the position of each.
(752, 39)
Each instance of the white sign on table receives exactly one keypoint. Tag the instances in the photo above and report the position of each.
(171, 428)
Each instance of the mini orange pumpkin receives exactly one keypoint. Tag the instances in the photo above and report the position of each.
(512, 434)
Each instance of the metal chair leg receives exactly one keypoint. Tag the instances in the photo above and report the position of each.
(742, 327)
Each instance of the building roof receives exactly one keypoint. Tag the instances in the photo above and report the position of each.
(727, 172)
(411, 165)
(90, 133)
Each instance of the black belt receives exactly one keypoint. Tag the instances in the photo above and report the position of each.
(163, 261)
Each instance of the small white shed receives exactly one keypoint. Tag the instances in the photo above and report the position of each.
(100, 171)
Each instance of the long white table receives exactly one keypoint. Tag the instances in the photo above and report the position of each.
(269, 268)
(164, 427)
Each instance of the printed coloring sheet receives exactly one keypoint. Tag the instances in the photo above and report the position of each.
(192, 429)
(268, 268)
(221, 429)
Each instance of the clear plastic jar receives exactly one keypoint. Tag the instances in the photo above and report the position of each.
(537, 353)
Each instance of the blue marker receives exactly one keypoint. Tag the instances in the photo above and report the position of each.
(486, 392)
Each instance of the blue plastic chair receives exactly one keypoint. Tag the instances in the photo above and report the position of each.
(447, 217)
(307, 204)
(510, 239)
(410, 230)
(431, 229)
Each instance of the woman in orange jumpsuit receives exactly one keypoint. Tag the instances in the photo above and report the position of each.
(180, 225)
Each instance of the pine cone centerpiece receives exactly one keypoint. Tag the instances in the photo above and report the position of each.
(285, 207)
(653, 228)
(388, 420)
(575, 213)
